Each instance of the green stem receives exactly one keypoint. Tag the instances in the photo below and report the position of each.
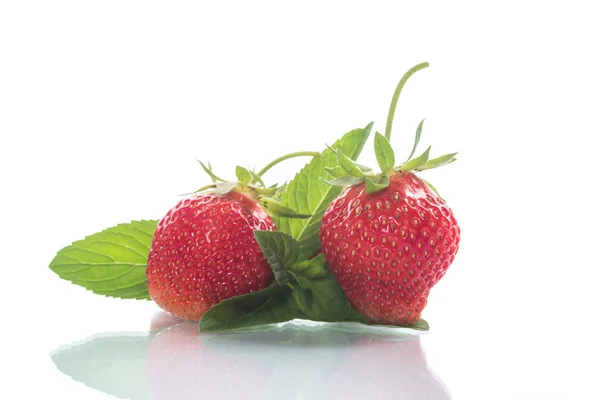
(390, 118)
(283, 158)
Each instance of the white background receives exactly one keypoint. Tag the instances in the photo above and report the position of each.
(105, 107)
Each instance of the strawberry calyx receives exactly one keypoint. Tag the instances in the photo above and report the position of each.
(349, 173)
(251, 185)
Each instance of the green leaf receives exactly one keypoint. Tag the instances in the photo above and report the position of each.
(438, 162)
(432, 188)
(316, 291)
(417, 139)
(323, 301)
(266, 191)
(225, 187)
(280, 249)
(314, 268)
(243, 175)
(355, 316)
(377, 182)
(349, 165)
(111, 262)
(308, 194)
(202, 189)
(345, 181)
(415, 163)
(420, 325)
(208, 170)
(336, 172)
(276, 209)
(268, 306)
(384, 153)
(257, 179)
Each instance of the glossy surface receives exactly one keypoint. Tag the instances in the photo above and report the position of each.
(296, 360)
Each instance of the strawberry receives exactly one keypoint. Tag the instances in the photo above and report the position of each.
(204, 251)
(387, 249)
(389, 237)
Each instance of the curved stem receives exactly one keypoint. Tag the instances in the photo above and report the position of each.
(283, 158)
(390, 118)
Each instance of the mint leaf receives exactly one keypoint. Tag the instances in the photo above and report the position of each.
(420, 325)
(384, 153)
(268, 306)
(308, 194)
(243, 175)
(316, 291)
(280, 249)
(355, 316)
(324, 300)
(304, 272)
(111, 262)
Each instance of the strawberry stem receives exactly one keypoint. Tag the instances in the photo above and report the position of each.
(390, 118)
(287, 156)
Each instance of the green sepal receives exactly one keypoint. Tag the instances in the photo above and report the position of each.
(415, 163)
(266, 191)
(202, 189)
(225, 187)
(384, 153)
(377, 182)
(243, 175)
(257, 179)
(336, 172)
(276, 209)
(208, 170)
(280, 250)
(350, 166)
(345, 181)
(417, 139)
(438, 162)
(432, 188)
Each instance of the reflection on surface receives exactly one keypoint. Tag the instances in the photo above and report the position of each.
(293, 361)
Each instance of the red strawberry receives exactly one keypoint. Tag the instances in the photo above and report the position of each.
(387, 249)
(204, 251)
(389, 237)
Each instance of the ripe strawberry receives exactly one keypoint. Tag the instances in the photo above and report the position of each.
(389, 237)
(204, 251)
(387, 249)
